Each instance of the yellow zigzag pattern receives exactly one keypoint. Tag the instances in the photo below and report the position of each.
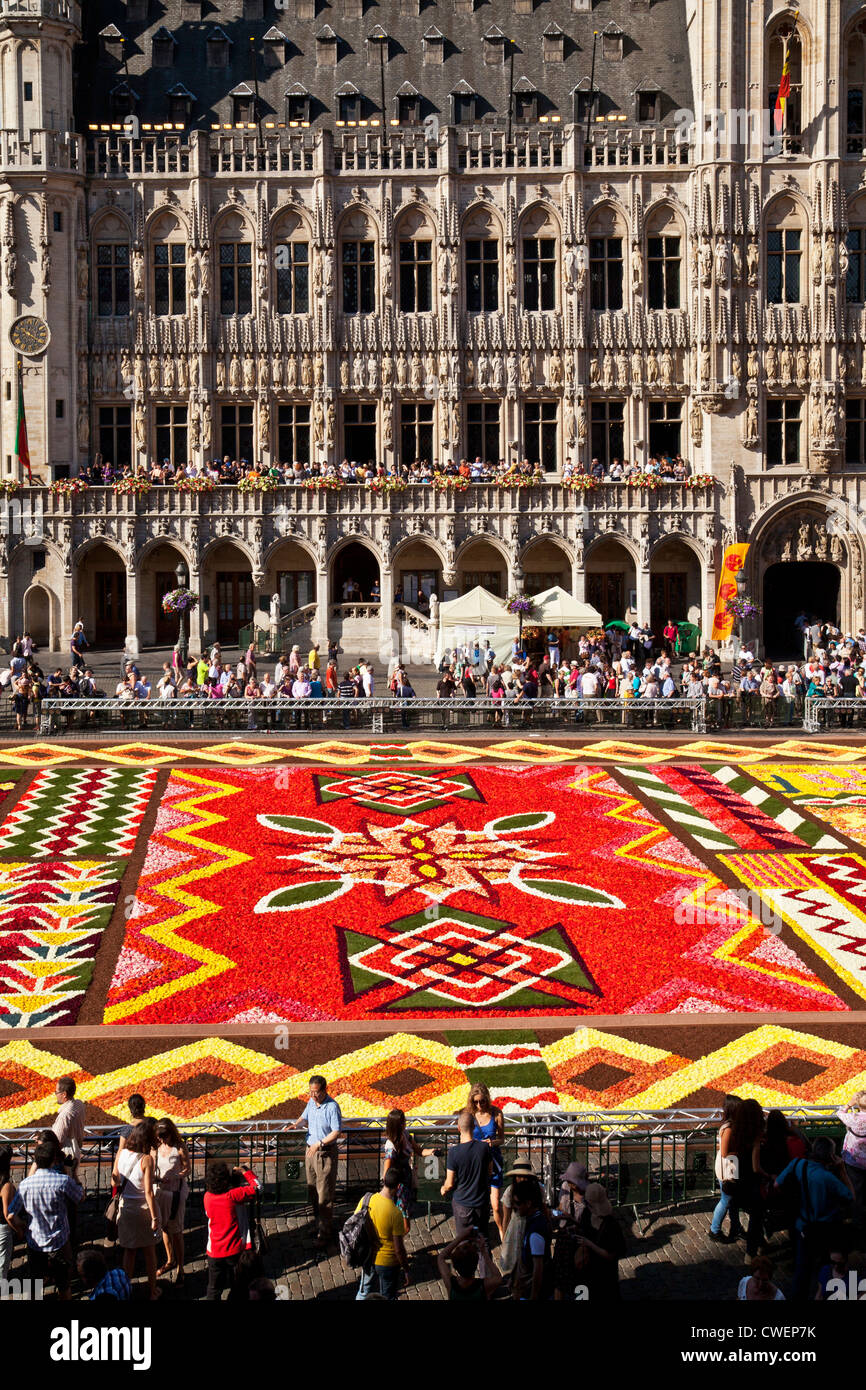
(633, 812)
(211, 963)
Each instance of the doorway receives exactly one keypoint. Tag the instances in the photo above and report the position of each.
(606, 593)
(166, 624)
(668, 599)
(356, 571)
(110, 609)
(792, 588)
(359, 433)
(234, 605)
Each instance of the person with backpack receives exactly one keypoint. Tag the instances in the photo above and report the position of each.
(388, 1270)
(825, 1194)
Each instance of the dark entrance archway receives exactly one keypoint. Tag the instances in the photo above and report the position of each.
(792, 588)
(355, 565)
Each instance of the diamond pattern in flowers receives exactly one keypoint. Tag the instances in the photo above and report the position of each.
(466, 961)
(397, 792)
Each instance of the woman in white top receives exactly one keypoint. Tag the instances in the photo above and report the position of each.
(138, 1220)
(758, 1287)
(172, 1167)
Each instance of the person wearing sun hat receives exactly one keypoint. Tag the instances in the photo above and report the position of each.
(575, 1181)
(600, 1238)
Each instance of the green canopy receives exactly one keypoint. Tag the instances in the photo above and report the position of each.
(618, 624)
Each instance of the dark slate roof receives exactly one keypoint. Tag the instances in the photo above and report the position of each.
(655, 51)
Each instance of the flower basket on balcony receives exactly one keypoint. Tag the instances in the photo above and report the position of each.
(179, 601)
(742, 607)
(450, 482)
(258, 482)
(327, 484)
(387, 485)
(515, 478)
(195, 485)
(67, 487)
(8, 486)
(651, 481)
(700, 480)
(580, 482)
(133, 485)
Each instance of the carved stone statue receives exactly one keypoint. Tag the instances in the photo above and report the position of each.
(736, 263)
(330, 423)
(318, 421)
(636, 267)
(607, 371)
(264, 425)
(652, 368)
(483, 371)
(636, 367)
(593, 370)
(277, 372)
(469, 370)
(249, 372)
(752, 365)
(802, 366)
(401, 370)
(291, 372)
(722, 254)
(318, 369)
(786, 365)
(138, 274)
(81, 273)
(581, 422)
(705, 262)
(771, 363)
(525, 371)
(568, 419)
(344, 371)
(622, 370)
(306, 372)
(416, 377)
(667, 368)
(234, 372)
(752, 262)
(373, 372)
(387, 369)
(751, 426)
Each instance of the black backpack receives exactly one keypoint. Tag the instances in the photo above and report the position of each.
(359, 1239)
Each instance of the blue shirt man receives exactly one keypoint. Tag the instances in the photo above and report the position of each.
(323, 1123)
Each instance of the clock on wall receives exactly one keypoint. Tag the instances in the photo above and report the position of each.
(29, 334)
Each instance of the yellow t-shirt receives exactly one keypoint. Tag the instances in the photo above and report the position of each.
(313, 660)
(388, 1220)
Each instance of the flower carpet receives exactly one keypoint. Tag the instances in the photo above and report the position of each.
(444, 919)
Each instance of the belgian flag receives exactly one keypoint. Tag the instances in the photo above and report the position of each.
(22, 448)
(784, 86)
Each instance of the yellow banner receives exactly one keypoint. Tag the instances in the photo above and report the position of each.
(723, 622)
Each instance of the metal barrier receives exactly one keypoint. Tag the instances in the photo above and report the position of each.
(645, 1160)
(827, 712)
(376, 715)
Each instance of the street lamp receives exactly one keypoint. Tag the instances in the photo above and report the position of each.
(182, 647)
(740, 581)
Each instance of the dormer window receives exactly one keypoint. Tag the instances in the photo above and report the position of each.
(434, 45)
(611, 43)
(378, 45)
(111, 42)
(162, 48)
(553, 44)
(326, 47)
(349, 104)
(525, 102)
(585, 101)
(408, 104)
(298, 105)
(217, 46)
(243, 104)
(180, 100)
(648, 102)
(122, 100)
(494, 46)
(274, 49)
(464, 104)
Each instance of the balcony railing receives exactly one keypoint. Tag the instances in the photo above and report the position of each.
(47, 150)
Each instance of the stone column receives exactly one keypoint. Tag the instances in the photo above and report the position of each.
(196, 617)
(389, 642)
(642, 580)
(323, 606)
(131, 641)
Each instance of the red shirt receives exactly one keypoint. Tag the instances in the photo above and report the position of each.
(223, 1232)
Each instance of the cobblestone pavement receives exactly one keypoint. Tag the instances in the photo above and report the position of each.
(669, 1257)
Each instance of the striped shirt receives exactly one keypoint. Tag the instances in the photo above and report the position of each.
(43, 1196)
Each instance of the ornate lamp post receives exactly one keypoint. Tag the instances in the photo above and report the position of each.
(182, 645)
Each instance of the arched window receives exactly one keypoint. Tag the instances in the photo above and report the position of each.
(235, 256)
(358, 264)
(855, 82)
(607, 243)
(111, 253)
(415, 252)
(292, 264)
(786, 244)
(539, 237)
(168, 252)
(783, 42)
(664, 258)
(855, 243)
(481, 243)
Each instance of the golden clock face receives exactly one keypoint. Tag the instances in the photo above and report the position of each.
(29, 335)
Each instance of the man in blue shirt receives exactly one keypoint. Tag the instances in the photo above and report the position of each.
(45, 1197)
(823, 1200)
(324, 1124)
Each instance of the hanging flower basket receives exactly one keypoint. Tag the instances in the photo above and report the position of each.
(580, 482)
(742, 608)
(520, 605)
(8, 486)
(450, 482)
(179, 601)
(700, 480)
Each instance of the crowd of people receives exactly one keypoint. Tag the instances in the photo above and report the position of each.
(631, 665)
(229, 471)
(509, 1239)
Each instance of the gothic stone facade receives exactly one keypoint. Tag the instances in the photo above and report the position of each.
(433, 235)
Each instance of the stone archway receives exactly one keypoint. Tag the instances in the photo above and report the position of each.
(801, 566)
(611, 581)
